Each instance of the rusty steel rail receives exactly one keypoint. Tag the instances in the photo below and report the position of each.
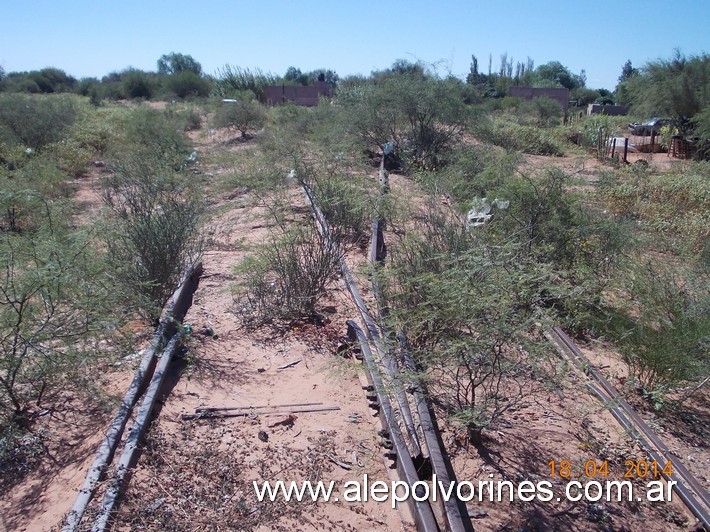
(455, 515)
(691, 492)
(129, 456)
(454, 510)
(422, 511)
(371, 328)
(689, 489)
(166, 331)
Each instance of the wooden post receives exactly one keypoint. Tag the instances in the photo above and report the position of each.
(613, 147)
(600, 154)
(626, 148)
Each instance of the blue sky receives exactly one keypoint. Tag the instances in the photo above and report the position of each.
(93, 38)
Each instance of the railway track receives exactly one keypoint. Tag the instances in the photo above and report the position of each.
(421, 429)
(146, 383)
(689, 489)
(411, 434)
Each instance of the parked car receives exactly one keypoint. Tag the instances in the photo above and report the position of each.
(649, 127)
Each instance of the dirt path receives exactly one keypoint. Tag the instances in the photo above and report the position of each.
(238, 368)
(197, 474)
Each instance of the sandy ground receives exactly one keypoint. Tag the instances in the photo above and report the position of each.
(197, 474)
(241, 369)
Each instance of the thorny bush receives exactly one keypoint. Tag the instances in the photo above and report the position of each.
(286, 277)
(468, 309)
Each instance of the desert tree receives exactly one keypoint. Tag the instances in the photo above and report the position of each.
(175, 63)
(243, 115)
(677, 88)
(628, 71)
(422, 115)
(556, 74)
(294, 76)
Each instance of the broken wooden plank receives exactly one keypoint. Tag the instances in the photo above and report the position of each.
(212, 415)
(290, 364)
(224, 408)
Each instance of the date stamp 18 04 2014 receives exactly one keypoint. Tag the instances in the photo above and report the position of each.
(633, 469)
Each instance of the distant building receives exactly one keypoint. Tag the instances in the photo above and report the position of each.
(528, 93)
(609, 110)
(307, 96)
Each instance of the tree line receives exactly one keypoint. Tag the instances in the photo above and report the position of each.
(177, 76)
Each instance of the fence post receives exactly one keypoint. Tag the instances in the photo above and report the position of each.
(600, 154)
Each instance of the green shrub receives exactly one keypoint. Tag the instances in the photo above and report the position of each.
(72, 157)
(85, 86)
(187, 84)
(185, 116)
(468, 310)
(440, 237)
(286, 278)
(545, 223)
(258, 173)
(152, 135)
(137, 85)
(347, 205)
(526, 139)
(193, 119)
(48, 80)
(540, 112)
(667, 341)
(241, 115)
(53, 300)
(19, 209)
(35, 121)
(155, 234)
(423, 116)
(473, 171)
(53, 80)
(28, 190)
(673, 206)
(20, 453)
(21, 84)
(97, 131)
(13, 156)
